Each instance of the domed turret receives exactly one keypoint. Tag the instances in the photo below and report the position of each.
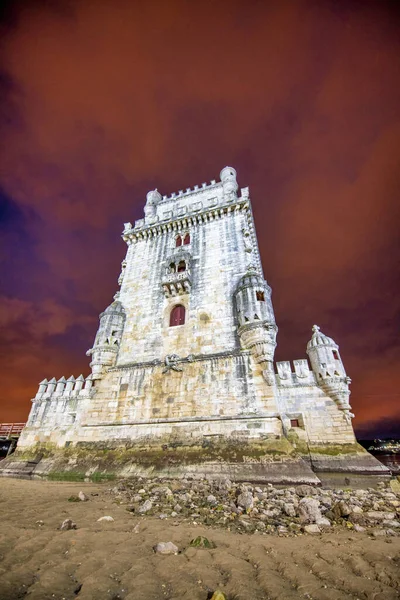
(152, 199)
(108, 338)
(257, 327)
(328, 367)
(229, 183)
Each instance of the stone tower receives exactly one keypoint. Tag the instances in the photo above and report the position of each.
(184, 356)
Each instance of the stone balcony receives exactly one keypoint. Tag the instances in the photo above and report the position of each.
(175, 284)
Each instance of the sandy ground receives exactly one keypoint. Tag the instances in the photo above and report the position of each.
(100, 561)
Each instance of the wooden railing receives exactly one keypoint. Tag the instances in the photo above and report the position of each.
(8, 430)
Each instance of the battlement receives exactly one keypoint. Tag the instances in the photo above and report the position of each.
(64, 388)
(299, 375)
(190, 191)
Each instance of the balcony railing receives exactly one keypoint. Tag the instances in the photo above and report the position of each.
(176, 283)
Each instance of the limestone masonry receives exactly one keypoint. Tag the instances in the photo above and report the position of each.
(184, 356)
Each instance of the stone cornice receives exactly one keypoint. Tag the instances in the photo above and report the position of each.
(187, 359)
(179, 223)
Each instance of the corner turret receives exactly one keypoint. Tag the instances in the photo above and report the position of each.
(152, 199)
(328, 368)
(257, 328)
(229, 183)
(108, 338)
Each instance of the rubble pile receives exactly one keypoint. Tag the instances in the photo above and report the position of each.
(249, 508)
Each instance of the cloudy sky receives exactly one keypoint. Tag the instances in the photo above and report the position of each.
(101, 101)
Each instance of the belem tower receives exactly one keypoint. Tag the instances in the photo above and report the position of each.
(183, 378)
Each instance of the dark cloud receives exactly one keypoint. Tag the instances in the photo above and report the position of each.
(101, 102)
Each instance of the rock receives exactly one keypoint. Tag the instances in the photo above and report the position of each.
(341, 509)
(313, 529)
(82, 497)
(166, 548)
(379, 515)
(145, 507)
(142, 491)
(107, 519)
(309, 510)
(323, 522)
(246, 500)
(137, 498)
(260, 525)
(391, 523)
(305, 490)
(395, 486)
(379, 533)
(356, 510)
(248, 525)
(163, 516)
(358, 528)
(289, 510)
(174, 514)
(202, 542)
(177, 508)
(212, 499)
(67, 524)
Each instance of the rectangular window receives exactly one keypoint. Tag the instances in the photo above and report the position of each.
(335, 354)
(294, 423)
(260, 296)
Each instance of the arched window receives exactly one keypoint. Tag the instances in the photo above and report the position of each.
(172, 268)
(178, 241)
(181, 266)
(335, 355)
(177, 316)
(186, 240)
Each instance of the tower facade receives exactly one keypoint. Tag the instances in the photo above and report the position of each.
(184, 355)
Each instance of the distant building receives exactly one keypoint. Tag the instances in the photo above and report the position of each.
(185, 352)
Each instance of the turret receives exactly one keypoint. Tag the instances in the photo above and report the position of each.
(328, 368)
(152, 199)
(229, 183)
(257, 327)
(108, 339)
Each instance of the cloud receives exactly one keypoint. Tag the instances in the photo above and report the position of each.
(101, 102)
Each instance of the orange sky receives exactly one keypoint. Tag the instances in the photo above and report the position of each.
(102, 101)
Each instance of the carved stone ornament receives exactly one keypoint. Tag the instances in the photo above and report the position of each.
(171, 363)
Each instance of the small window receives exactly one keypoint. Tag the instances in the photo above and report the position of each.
(186, 240)
(178, 241)
(181, 266)
(335, 354)
(177, 316)
(260, 296)
(294, 423)
(172, 268)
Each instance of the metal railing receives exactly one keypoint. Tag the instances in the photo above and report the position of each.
(8, 430)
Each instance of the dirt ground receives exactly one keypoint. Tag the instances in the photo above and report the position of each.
(116, 560)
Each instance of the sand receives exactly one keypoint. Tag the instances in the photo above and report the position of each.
(112, 560)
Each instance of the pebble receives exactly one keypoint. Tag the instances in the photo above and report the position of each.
(166, 548)
(106, 518)
(67, 524)
(82, 497)
(313, 529)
